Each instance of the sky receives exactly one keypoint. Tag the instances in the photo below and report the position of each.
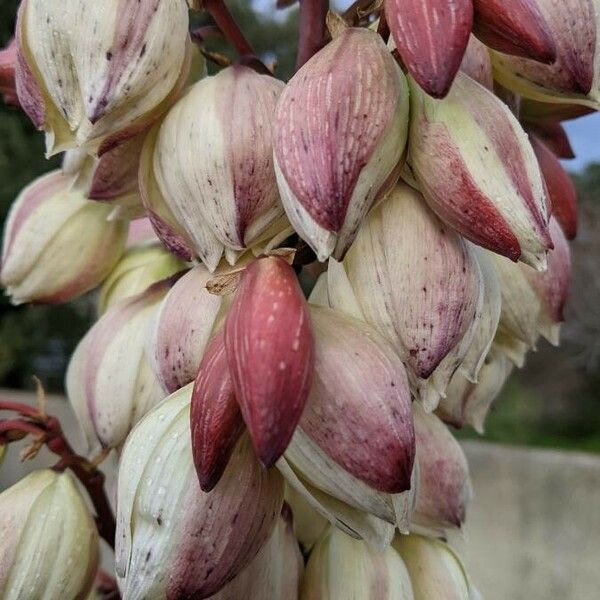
(584, 132)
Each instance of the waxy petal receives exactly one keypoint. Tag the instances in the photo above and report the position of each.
(228, 198)
(309, 524)
(561, 191)
(574, 76)
(359, 385)
(216, 420)
(44, 257)
(515, 27)
(335, 159)
(173, 540)
(444, 487)
(8, 65)
(553, 134)
(468, 403)
(270, 350)
(477, 170)
(431, 37)
(101, 68)
(182, 328)
(340, 567)
(477, 63)
(109, 382)
(413, 278)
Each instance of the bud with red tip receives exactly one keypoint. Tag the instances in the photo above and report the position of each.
(515, 27)
(431, 37)
(270, 351)
(552, 133)
(478, 172)
(341, 127)
(561, 191)
(216, 420)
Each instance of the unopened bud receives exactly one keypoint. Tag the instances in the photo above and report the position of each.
(173, 540)
(477, 63)
(335, 159)
(45, 257)
(49, 539)
(477, 170)
(94, 75)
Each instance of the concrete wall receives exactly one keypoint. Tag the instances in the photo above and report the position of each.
(533, 529)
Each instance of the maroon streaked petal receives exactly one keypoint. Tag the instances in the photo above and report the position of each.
(270, 350)
(216, 420)
(477, 63)
(444, 487)
(531, 110)
(431, 37)
(561, 191)
(358, 411)
(321, 146)
(553, 134)
(515, 27)
(8, 65)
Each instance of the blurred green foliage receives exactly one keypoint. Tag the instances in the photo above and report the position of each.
(39, 339)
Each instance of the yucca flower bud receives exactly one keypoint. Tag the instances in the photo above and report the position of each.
(444, 486)
(173, 540)
(435, 570)
(111, 178)
(335, 159)
(431, 37)
(341, 567)
(414, 279)
(561, 191)
(477, 63)
(49, 539)
(275, 573)
(45, 257)
(533, 302)
(109, 381)
(140, 266)
(468, 403)
(486, 182)
(574, 76)
(270, 352)
(515, 27)
(8, 64)
(217, 180)
(94, 75)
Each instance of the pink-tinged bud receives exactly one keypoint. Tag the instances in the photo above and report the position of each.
(477, 170)
(270, 351)
(553, 134)
(431, 37)
(561, 191)
(49, 539)
(358, 411)
(182, 328)
(275, 573)
(109, 382)
(173, 540)
(45, 258)
(95, 75)
(216, 420)
(444, 486)
(8, 63)
(212, 161)
(335, 159)
(468, 403)
(553, 285)
(340, 567)
(574, 77)
(515, 27)
(414, 279)
(477, 63)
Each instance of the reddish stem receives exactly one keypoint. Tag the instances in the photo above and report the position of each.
(226, 23)
(312, 29)
(24, 409)
(20, 425)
